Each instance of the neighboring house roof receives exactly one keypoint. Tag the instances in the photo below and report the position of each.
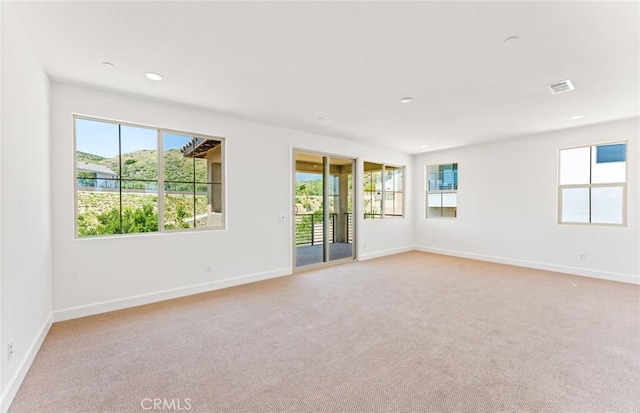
(92, 167)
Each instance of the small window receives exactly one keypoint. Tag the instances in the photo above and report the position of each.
(442, 191)
(592, 185)
(383, 191)
(132, 179)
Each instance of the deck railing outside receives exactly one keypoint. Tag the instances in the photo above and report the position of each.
(309, 228)
(368, 215)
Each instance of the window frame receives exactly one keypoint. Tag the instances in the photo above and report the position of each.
(442, 192)
(160, 131)
(384, 191)
(590, 185)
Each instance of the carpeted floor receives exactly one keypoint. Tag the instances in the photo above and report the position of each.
(412, 332)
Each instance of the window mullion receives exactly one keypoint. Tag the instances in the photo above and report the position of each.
(590, 178)
(194, 190)
(160, 156)
(120, 173)
(383, 194)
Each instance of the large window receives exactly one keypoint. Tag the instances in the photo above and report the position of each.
(383, 191)
(132, 179)
(592, 184)
(442, 191)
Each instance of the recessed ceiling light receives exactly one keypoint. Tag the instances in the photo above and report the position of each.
(576, 117)
(511, 40)
(406, 100)
(108, 64)
(320, 118)
(153, 76)
(423, 146)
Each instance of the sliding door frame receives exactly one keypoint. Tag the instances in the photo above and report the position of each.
(326, 174)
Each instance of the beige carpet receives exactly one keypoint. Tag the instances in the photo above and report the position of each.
(413, 332)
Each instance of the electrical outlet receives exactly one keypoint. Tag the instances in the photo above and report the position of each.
(433, 240)
(582, 256)
(10, 349)
(207, 268)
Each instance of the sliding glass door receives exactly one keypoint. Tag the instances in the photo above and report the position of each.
(323, 208)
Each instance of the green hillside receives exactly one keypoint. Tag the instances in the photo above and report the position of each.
(88, 157)
(104, 212)
(143, 165)
(311, 188)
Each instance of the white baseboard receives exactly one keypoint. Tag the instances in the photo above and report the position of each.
(16, 380)
(134, 301)
(378, 254)
(584, 272)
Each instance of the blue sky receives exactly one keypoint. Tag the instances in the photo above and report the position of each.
(101, 138)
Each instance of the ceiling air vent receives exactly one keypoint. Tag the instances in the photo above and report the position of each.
(561, 87)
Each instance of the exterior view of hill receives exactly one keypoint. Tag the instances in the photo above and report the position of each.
(143, 165)
(105, 209)
(88, 157)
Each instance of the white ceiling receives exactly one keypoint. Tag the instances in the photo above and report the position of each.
(350, 63)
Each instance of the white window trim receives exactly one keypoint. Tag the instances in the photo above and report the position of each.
(160, 130)
(623, 185)
(444, 191)
(384, 191)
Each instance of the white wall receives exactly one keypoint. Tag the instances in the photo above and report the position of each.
(2, 29)
(25, 235)
(92, 275)
(507, 206)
